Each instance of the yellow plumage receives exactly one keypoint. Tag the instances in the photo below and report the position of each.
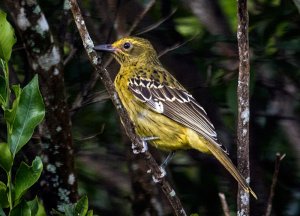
(160, 107)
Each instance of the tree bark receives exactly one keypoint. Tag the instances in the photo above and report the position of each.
(243, 199)
(59, 184)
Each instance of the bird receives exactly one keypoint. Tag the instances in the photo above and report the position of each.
(163, 112)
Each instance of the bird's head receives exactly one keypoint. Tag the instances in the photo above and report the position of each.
(130, 50)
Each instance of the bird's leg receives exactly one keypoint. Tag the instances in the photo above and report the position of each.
(168, 159)
(144, 145)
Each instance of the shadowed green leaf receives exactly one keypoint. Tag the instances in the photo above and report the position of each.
(56, 213)
(90, 213)
(3, 92)
(69, 210)
(7, 37)
(81, 206)
(22, 209)
(5, 157)
(2, 212)
(26, 176)
(10, 114)
(29, 113)
(3, 196)
(34, 206)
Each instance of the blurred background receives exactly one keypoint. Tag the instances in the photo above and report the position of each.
(196, 40)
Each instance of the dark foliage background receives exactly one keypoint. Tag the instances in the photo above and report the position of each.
(206, 63)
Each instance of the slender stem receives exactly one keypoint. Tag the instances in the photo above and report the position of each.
(4, 65)
(9, 185)
(279, 158)
(7, 84)
(224, 204)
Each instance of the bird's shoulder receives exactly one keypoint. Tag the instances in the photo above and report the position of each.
(153, 77)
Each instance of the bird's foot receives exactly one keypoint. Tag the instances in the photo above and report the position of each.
(136, 149)
(162, 174)
(162, 167)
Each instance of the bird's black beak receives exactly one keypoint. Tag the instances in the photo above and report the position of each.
(105, 48)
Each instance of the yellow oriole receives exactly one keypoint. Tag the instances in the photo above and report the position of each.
(160, 107)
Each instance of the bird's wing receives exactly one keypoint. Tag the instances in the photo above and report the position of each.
(174, 102)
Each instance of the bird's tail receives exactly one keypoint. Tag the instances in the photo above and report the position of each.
(214, 148)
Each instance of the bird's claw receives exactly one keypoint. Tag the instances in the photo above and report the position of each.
(136, 148)
(162, 174)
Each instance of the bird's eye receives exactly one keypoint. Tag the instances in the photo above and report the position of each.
(127, 45)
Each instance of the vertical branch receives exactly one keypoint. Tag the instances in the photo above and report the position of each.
(243, 106)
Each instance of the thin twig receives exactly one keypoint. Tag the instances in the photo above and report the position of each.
(155, 25)
(279, 158)
(176, 46)
(133, 27)
(92, 136)
(70, 56)
(96, 97)
(140, 17)
(243, 199)
(224, 204)
(128, 126)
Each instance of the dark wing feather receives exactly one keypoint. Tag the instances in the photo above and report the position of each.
(175, 103)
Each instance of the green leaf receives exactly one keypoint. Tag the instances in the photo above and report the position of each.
(3, 92)
(22, 209)
(41, 210)
(90, 213)
(69, 210)
(79, 209)
(3, 196)
(34, 206)
(57, 213)
(81, 206)
(2, 212)
(297, 3)
(6, 159)
(26, 176)
(10, 114)
(188, 26)
(7, 37)
(29, 113)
